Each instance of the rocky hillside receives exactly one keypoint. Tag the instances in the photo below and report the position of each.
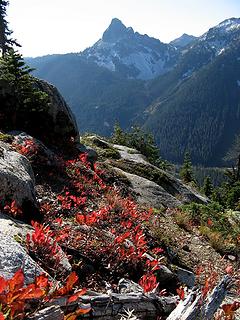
(81, 236)
(191, 83)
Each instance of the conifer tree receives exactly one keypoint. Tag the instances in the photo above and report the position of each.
(119, 136)
(186, 171)
(208, 186)
(233, 155)
(6, 42)
(143, 142)
(27, 98)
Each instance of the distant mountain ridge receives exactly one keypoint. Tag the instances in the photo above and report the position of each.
(131, 54)
(185, 92)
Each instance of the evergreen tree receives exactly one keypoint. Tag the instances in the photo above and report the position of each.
(24, 101)
(143, 142)
(208, 186)
(186, 171)
(23, 105)
(119, 136)
(6, 42)
(233, 155)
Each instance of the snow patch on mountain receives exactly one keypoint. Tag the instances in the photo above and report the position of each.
(221, 51)
(146, 64)
(229, 25)
(218, 38)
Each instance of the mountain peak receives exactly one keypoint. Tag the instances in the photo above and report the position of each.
(116, 30)
(182, 41)
(116, 21)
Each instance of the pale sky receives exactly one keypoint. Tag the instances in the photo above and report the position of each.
(57, 26)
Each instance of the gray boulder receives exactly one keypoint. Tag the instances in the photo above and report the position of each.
(149, 184)
(148, 192)
(13, 228)
(185, 276)
(13, 257)
(131, 154)
(43, 155)
(16, 176)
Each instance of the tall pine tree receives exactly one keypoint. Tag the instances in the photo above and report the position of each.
(186, 171)
(23, 102)
(22, 105)
(207, 186)
(6, 42)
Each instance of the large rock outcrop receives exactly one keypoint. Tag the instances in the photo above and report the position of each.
(53, 122)
(153, 186)
(64, 124)
(150, 185)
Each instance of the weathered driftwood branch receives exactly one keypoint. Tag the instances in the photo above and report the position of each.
(195, 307)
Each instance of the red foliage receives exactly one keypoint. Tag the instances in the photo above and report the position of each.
(89, 201)
(43, 243)
(181, 293)
(13, 209)
(14, 296)
(148, 282)
(229, 269)
(229, 310)
(28, 148)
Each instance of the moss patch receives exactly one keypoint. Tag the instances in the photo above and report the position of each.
(6, 137)
(103, 148)
(143, 170)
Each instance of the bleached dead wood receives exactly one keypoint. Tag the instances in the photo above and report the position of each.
(144, 306)
(196, 307)
(49, 313)
(147, 306)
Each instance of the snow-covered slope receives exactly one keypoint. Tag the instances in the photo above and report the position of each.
(221, 36)
(130, 53)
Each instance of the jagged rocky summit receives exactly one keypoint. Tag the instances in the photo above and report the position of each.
(131, 54)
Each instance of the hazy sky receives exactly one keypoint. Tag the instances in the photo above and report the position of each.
(57, 26)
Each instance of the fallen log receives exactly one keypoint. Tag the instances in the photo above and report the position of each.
(144, 306)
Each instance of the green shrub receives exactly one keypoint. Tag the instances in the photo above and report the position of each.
(214, 222)
(142, 141)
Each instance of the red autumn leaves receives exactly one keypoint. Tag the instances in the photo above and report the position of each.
(15, 296)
